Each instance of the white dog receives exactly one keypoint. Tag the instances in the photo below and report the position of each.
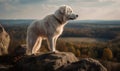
(50, 28)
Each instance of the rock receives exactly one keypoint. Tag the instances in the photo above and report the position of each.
(5, 67)
(4, 41)
(86, 64)
(45, 62)
(111, 66)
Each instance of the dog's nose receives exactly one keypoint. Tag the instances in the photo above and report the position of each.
(76, 15)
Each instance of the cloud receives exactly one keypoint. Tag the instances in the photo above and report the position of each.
(99, 13)
(8, 5)
(109, 0)
(31, 11)
(37, 9)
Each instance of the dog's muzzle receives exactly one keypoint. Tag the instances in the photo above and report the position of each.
(73, 16)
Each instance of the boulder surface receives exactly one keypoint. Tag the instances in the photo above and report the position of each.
(61, 61)
(45, 62)
(86, 64)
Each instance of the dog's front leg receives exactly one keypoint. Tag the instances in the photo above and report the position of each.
(55, 40)
(51, 44)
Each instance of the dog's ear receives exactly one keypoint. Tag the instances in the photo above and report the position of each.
(63, 9)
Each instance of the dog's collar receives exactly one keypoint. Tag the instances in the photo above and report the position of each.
(57, 19)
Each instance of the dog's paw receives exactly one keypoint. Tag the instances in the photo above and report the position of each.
(56, 51)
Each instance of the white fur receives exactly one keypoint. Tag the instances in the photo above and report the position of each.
(50, 28)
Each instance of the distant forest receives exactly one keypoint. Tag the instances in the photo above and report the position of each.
(105, 30)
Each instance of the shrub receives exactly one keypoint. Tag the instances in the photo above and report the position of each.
(77, 53)
(107, 54)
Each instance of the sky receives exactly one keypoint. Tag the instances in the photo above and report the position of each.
(38, 9)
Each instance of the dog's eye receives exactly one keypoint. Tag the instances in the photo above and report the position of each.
(70, 11)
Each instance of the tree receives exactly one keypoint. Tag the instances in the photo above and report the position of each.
(77, 53)
(107, 54)
(71, 49)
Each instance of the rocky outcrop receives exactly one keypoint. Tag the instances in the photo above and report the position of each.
(111, 66)
(86, 64)
(45, 62)
(61, 61)
(4, 41)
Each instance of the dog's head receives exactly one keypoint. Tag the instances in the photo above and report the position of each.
(66, 12)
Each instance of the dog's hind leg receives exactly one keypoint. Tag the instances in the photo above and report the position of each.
(31, 40)
(29, 44)
(37, 45)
